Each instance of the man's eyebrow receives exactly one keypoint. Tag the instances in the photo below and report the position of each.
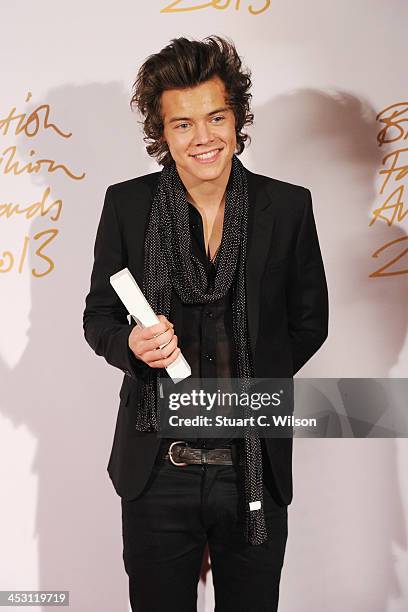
(214, 112)
(218, 110)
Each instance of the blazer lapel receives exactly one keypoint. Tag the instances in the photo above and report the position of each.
(260, 226)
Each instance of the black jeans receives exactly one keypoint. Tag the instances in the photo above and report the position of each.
(165, 531)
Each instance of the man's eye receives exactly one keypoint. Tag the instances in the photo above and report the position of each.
(181, 125)
(219, 117)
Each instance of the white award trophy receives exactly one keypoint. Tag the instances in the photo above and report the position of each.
(140, 310)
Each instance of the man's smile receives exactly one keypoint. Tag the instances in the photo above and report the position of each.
(208, 156)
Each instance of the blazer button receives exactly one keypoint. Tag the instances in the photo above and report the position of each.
(209, 357)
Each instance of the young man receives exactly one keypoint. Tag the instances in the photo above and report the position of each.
(231, 261)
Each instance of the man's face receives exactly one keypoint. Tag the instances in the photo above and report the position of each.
(199, 130)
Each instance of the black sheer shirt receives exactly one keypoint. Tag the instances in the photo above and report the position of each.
(206, 339)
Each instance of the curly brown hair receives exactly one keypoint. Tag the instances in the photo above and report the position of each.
(187, 63)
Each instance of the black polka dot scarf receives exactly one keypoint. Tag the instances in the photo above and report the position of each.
(169, 264)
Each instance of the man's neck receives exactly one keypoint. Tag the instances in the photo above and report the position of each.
(206, 195)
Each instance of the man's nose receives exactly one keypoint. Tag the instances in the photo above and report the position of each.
(203, 134)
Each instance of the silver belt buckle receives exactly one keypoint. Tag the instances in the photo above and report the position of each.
(171, 456)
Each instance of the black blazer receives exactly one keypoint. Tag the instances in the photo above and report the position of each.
(287, 306)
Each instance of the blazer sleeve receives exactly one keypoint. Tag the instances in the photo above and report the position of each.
(105, 324)
(308, 309)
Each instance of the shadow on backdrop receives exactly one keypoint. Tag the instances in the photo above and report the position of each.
(347, 518)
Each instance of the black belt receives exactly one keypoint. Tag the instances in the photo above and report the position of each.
(180, 453)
